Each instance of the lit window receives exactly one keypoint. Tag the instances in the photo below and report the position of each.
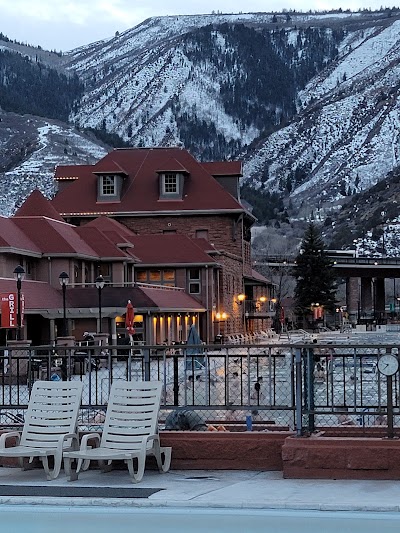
(108, 186)
(155, 276)
(170, 184)
(141, 276)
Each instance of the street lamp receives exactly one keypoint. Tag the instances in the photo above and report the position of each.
(19, 274)
(100, 285)
(64, 279)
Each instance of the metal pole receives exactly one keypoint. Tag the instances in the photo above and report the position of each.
(310, 389)
(299, 406)
(99, 291)
(19, 321)
(389, 387)
(65, 326)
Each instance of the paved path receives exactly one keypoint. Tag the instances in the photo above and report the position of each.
(213, 489)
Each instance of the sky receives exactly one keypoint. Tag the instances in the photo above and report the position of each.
(66, 24)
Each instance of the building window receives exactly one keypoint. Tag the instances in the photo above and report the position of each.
(141, 276)
(105, 270)
(194, 281)
(169, 231)
(108, 186)
(156, 277)
(170, 184)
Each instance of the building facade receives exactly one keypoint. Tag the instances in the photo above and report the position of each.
(155, 222)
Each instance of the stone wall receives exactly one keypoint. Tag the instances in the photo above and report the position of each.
(341, 458)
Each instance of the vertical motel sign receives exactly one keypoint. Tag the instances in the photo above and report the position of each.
(9, 310)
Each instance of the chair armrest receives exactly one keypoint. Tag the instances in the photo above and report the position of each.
(63, 438)
(84, 442)
(5, 436)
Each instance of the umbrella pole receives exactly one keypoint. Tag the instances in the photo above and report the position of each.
(130, 358)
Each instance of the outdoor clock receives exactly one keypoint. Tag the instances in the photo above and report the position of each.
(388, 365)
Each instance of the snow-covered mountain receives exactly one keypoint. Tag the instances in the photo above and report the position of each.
(345, 137)
(309, 101)
(30, 148)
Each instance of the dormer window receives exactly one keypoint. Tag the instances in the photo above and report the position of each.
(170, 184)
(108, 185)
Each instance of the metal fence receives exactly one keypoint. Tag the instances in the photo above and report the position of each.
(302, 386)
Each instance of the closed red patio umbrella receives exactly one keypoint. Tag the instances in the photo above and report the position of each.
(129, 319)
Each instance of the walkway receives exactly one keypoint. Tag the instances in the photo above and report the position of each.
(208, 489)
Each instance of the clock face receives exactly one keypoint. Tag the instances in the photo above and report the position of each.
(388, 365)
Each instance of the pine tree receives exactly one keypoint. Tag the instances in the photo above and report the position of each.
(315, 277)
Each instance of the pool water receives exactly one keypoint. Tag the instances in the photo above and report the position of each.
(64, 519)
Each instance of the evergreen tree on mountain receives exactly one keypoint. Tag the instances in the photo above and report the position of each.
(314, 274)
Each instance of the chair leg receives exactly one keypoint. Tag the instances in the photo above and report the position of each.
(105, 466)
(25, 463)
(138, 475)
(72, 475)
(83, 465)
(52, 474)
(159, 451)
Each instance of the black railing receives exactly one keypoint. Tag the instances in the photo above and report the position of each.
(319, 385)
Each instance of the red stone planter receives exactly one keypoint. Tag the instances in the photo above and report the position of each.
(323, 457)
(246, 450)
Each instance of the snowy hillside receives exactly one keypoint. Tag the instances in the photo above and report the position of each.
(151, 83)
(346, 136)
(309, 101)
(30, 148)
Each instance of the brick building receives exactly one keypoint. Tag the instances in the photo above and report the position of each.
(154, 222)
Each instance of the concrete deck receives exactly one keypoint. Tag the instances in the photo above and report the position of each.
(210, 489)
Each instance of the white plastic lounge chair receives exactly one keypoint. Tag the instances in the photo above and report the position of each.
(130, 432)
(50, 425)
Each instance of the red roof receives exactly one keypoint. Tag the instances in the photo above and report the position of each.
(140, 192)
(38, 295)
(37, 205)
(53, 237)
(11, 236)
(172, 300)
(168, 250)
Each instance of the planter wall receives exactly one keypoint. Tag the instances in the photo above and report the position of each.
(247, 450)
(341, 458)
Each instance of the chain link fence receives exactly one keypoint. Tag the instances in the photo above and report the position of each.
(303, 387)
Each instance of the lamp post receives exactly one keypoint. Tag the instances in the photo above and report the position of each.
(19, 274)
(64, 279)
(240, 299)
(100, 285)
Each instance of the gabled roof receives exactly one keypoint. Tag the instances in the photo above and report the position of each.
(12, 237)
(100, 243)
(109, 166)
(171, 165)
(140, 191)
(37, 205)
(54, 237)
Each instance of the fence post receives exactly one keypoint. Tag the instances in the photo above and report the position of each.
(146, 364)
(176, 379)
(298, 397)
(309, 387)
